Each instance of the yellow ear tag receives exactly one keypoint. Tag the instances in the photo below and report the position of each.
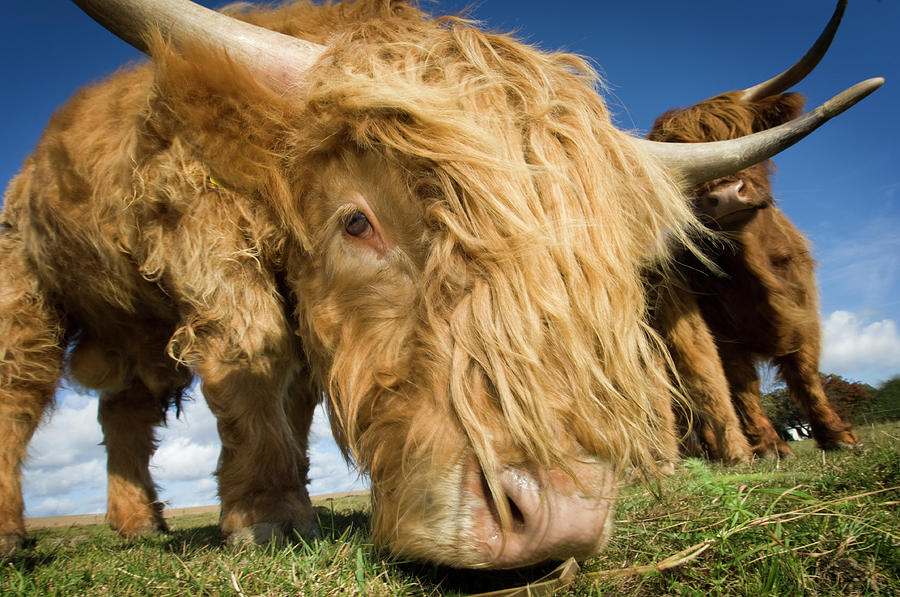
(213, 181)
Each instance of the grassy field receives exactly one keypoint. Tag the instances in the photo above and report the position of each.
(815, 524)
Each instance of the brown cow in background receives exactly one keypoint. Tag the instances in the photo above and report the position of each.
(762, 302)
(437, 228)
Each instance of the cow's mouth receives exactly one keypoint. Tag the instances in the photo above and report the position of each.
(739, 216)
(730, 204)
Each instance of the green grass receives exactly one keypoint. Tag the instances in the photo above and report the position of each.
(815, 524)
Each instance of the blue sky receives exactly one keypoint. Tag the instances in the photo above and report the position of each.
(841, 186)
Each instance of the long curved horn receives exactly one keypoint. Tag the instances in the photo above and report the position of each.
(795, 74)
(281, 60)
(697, 163)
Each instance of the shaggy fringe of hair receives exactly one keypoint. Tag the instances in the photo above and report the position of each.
(725, 117)
(527, 184)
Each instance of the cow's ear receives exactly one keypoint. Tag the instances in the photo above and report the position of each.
(777, 109)
(233, 122)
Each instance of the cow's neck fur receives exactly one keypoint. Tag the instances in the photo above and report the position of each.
(761, 262)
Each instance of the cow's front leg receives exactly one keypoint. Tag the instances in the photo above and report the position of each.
(695, 356)
(743, 379)
(31, 356)
(800, 371)
(263, 465)
(128, 419)
(236, 333)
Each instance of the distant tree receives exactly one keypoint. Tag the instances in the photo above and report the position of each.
(783, 412)
(885, 404)
(850, 399)
(853, 401)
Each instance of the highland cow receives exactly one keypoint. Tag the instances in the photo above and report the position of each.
(436, 228)
(759, 300)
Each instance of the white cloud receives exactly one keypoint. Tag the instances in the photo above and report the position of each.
(53, 507)
(862, 351)
(57, 480)
(181, 459)
(188, 446)
(320, 430)
(188, 493)
(205, 486)
(328, 471)
(70, 435)
(66, 470)
(195, 422)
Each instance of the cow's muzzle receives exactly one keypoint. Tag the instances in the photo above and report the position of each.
(552, 516)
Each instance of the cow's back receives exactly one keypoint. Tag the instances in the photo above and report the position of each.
(73, 201)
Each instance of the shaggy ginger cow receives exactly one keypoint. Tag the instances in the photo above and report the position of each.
(436, 227)
(762, 303)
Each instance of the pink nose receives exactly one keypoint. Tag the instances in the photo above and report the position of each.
(725, 199)
(553, 518)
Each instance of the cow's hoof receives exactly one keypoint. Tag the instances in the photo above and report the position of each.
(145, 530)
(784, 451)
(767, 450)
(738, 455)
(277, 533)
(840, 440)
(10, 544)
(852, 446)
(773, 454)
(666, 469)
(140, 524)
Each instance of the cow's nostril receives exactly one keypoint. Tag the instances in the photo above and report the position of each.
(518, 517)
(489, 502)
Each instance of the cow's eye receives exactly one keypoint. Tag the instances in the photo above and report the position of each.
(358, 225)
